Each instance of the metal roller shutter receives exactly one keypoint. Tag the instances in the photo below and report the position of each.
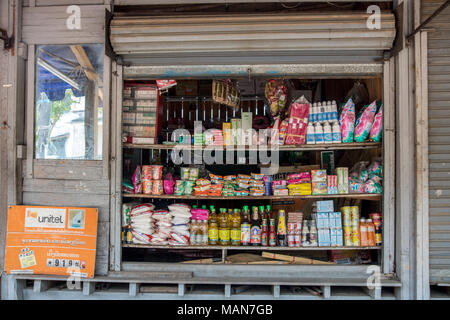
(240, 39)
(439, 141)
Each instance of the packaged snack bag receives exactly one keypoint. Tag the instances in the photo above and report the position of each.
(179, 187)
(364, 123)
(137, 180)
(347, 121)
(377, 127)
(169, 183)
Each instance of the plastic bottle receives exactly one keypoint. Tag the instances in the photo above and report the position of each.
(327, 135)
(305, 233)
(334, 115)
(371, 233)
(313, 234)
(336, 133)
(193, 232)
(255, 231)
(319, 112)
(318, 133)
(281, 229)
(213, 228)
(311, 118)
(245, 226)
(310, 134)
(235, 234)
(224, 230)
(363, 232)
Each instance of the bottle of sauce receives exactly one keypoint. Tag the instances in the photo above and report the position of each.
(264, 227)
(236, 228)
(305, 234)
(272, 233)
(371, 233)
(313, 233)
(213, 228)
(224, 228)
(281, 229)
(255, 231)
(363, 232)
(129, 235)
(245, 226)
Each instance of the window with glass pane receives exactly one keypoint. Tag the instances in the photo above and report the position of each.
(69, 102)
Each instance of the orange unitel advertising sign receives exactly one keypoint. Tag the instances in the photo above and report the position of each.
(51, 240)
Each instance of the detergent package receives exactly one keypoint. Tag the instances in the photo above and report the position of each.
(347, 120)
(377, 127)
(364, 123)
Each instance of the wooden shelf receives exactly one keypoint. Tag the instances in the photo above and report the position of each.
(303, 147)
(362, 196)
(146, 246)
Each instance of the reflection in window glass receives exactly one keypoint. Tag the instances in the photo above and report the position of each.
(69, 102)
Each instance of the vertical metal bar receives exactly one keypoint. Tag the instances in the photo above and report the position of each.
(227, 290)
(31, 84)
(181, 289)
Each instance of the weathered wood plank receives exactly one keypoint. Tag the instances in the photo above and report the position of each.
(67, 186)
(68, 169)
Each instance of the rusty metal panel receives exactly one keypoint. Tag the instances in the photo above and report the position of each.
(228, 34)
(439, 140)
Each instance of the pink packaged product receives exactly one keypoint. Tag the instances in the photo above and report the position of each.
(199, 214)
(139, 237)
(332, 183)
(137, 180)
(279, 184)
(347, 121)
(319, 175)
(377, 126)
(169, 183)
(298, 121)
(146, 172)
(364, 123)
(301, 175)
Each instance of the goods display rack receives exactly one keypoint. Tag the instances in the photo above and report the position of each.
(255, 248)
(303, 147)
(362, 196)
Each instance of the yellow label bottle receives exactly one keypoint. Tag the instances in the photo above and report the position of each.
(213, 229)
(236, 228)
(224, 228)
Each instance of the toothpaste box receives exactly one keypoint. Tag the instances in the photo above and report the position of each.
(319, 188)
(342, 176)
(324, 237)
(339, 238)
(338, 219)
(333, 237)
(325, 206)
(323, 220)
(332, 184)
(332, 220)
(319, 175)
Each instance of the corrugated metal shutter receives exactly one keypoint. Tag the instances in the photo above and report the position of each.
(439, 141)
(235, 38)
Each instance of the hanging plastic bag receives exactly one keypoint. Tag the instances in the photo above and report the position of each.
(347, 121)
(364, 123)
(377, 127)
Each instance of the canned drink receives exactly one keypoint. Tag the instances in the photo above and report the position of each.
(298, 228)
(354, 216)
(355, 236)
(291, 240)
(291, 227)
(346, 216)
(298, 240)
(348, 237)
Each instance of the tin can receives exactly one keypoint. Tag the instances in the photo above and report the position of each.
(354, 216)
(355, 236)
(291, 228)
(297, 228)
(348, 237)
(346, 216)
(291, 240)
(297, 240)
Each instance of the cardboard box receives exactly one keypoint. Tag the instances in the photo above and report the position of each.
(236, 131)
(325, 206)
(319, 188)
(226, 129)
(246, 124)
(332, 220)
(339, 238)
(319, 175)
(338, 219)
(332, 184)
(342, 176)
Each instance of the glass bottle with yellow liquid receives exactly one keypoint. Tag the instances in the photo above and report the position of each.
(213, 228)
(236, 228)
(224, 228)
